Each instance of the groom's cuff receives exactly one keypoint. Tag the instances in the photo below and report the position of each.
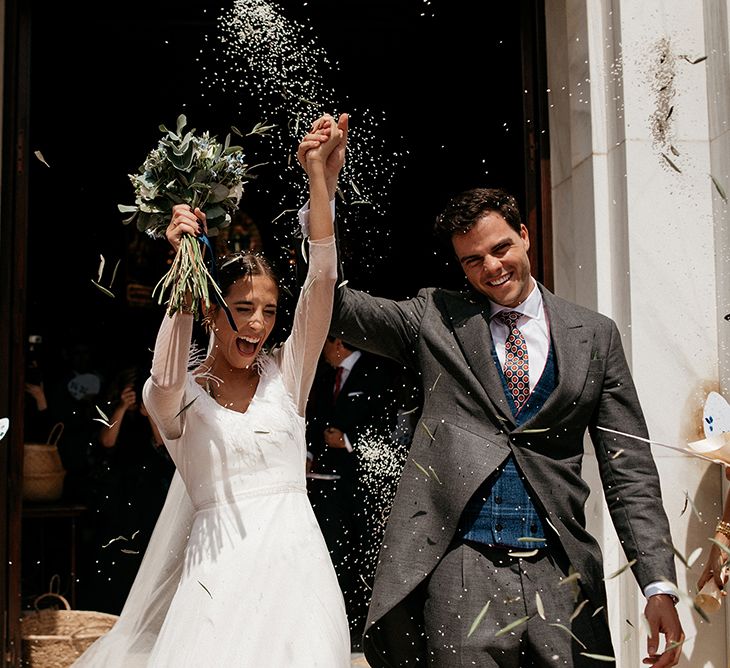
(303, 215)
(661, 587)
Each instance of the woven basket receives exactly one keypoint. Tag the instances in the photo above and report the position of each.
(43, 472)
(56, 638)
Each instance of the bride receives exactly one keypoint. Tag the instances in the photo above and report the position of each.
(237, 572)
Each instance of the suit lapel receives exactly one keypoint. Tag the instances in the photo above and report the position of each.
(571, 342)
(470, 320)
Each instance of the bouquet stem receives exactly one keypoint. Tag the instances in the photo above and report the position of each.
(187, 280)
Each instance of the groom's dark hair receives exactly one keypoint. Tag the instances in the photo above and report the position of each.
(464, 210)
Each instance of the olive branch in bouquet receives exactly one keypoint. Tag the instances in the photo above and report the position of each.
(193, 169)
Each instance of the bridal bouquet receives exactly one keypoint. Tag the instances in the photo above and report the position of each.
(186, 168)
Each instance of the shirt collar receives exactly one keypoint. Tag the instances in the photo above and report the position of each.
(531, 307)
(350, 360)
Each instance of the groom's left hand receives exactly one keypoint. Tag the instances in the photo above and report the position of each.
(661, 614)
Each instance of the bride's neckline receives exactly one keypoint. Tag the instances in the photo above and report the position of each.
(207, 387)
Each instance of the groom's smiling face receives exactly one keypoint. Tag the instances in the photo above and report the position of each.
(494, 258)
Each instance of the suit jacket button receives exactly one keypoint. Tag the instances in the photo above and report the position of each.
(498, 527)
(497, 499)
(533, 528)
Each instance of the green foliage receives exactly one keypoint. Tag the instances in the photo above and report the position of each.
(187, 168)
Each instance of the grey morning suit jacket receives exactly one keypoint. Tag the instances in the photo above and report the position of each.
(467, 430)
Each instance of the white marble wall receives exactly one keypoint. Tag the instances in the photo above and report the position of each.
(644, 239)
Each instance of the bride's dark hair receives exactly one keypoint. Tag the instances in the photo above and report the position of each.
(233, 266)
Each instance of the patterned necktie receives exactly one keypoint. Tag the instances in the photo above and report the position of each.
(338, 383)
(516, 363)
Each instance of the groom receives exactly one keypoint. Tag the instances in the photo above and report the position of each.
(486, 560)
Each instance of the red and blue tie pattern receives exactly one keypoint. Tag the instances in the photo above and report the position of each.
(516, 362)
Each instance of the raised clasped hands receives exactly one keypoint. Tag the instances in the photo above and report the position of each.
(329, 136)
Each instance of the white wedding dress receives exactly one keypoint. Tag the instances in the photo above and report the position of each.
(237, 572)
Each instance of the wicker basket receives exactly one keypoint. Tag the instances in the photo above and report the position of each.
(56, 638)
(43, 472)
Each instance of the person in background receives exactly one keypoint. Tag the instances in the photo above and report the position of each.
(715, 568)
(73, 391)
(241, 235)
(352, 406)
(37, 417)
(130, 476)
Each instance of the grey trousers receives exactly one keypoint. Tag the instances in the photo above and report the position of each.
(470, 575)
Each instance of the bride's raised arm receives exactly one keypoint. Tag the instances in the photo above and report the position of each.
(313, 312)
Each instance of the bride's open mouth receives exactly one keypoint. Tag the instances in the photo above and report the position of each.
(247, 345)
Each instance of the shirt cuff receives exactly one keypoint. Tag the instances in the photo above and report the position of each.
(661, 587)
(348, 445)
(303, 216)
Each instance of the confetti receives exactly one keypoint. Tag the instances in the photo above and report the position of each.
(104, 419)
(478, 619)
(513, 625)
(719, 188)
(206, 588)
(101, 288)
(693, 61)
(423, 470)
(671, 164)
(40, 157)
(428, 431)
(579, 609)
(573, 577)
(724, 548)
(275, 65)
(530, 553)
(620, 570)
(186, 406)
(430, 468)
(562, 627)
(697, 513)
(539, 606)
(692, 558)
(600, 657)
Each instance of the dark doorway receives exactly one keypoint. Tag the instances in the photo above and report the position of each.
(444, 96)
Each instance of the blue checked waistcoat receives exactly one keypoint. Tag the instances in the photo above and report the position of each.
(501, 511)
